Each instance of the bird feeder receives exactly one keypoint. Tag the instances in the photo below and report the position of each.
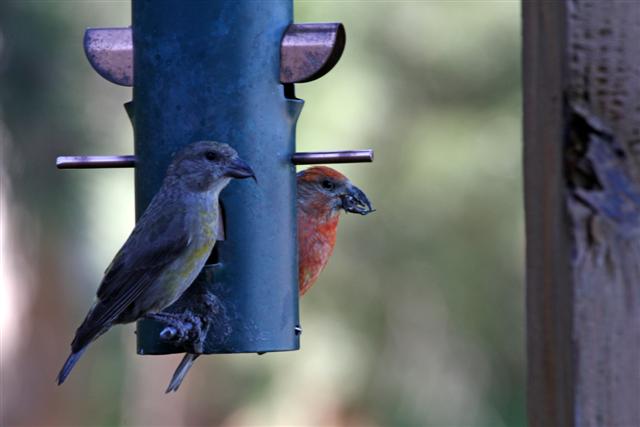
(224, 71)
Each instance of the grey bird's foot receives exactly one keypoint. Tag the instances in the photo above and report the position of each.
(183, 329)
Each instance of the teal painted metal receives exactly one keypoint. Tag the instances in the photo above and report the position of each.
(210, 70)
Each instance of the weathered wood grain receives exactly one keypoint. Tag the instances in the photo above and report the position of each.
(582, 173)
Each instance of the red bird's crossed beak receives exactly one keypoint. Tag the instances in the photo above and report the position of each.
(355, 201)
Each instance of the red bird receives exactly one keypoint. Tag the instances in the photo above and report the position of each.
(322, 193)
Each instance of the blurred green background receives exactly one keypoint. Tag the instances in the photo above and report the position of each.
(417, 321)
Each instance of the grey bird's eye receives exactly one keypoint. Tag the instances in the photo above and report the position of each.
(212, 156)
(328, 185)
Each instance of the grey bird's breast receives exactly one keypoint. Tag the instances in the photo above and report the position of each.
(201, 220)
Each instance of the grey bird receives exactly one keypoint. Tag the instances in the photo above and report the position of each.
(168, 246)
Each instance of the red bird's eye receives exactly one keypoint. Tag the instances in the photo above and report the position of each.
(328, 184)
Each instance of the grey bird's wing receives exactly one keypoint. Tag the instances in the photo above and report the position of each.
(157, 240)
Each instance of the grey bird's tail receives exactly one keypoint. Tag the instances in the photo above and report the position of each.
(181, 371)
(69, 364)
(88, 332)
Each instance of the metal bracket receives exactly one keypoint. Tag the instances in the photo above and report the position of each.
(110, 53)
(129, 161)
(307, 52)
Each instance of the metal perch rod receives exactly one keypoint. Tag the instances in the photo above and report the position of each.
(129, 161)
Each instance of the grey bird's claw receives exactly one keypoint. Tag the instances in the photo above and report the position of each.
(168, 333)
(184, 329)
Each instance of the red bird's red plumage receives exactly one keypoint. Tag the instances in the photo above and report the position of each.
(317, 237)
(316, 173)
(318, 220)
(322, 193)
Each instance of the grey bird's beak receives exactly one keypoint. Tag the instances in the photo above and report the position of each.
(355, 201)
(239, 169)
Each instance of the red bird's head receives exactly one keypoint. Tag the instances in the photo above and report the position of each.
(325, 190)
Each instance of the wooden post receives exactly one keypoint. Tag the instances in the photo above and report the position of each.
(582, 198)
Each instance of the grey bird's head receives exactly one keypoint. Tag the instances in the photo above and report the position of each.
(208, 165)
